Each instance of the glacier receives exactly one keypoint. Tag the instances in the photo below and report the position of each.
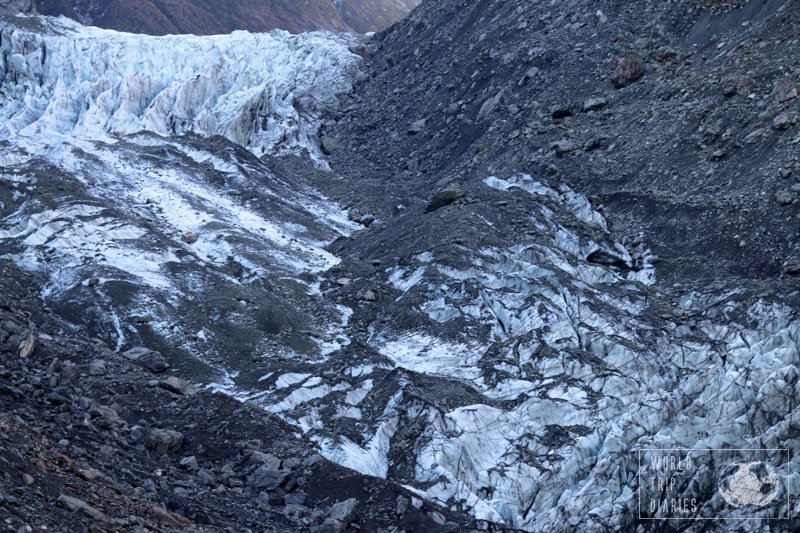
(518, 378)
(132, 182)
(261, 91)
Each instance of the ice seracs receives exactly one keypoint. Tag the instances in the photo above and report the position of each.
(261, 91)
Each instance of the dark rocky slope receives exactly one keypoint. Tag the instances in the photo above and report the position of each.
(89, 441)
(699, 153)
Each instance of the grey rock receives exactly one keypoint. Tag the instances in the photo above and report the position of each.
(560, 111)
(265, 478)
(785, 90)
(594, 104)
(265, 459)
(189, 463)
(149, 359)
(782, 122)
(444, 198)
(177, 385)
(491, 105)
(250, 446)
(629, 69)
(98, 368)
(190, 237)
(344, 511)
(75, 504)
(105, 417)
(563, 146)
(55, 398)
(437, 517)
(369, 296)
(89, 474)
(164, 441)
(718, 154)
(417, 126)
(27, 346)
(754, 136)
(329, 144)
(402, 505)
(785, 197)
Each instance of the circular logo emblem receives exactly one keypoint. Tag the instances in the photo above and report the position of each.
(743, 484)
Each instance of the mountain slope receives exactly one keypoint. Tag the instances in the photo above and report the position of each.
(683, 142)
(204, 17)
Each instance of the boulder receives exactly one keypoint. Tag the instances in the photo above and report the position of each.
(164, 441)
(27, 346)
(563, 146)
(785, 197)
(329, 145)
(782, 122)
(594, 104)
(265, 478)
(177, 385)
(417, 126)
(630, 68)
(344, 511)
(146, 358)
(75, 504)
(98, 368)
(785, 90)
(491, 105)
(444, 198)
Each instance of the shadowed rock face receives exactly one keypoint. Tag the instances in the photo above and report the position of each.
(207, 17)
(17, 6)
(370, 15)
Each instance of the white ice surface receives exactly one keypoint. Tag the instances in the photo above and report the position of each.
(262, 91)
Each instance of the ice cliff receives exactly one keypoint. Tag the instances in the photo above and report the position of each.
(261, 91)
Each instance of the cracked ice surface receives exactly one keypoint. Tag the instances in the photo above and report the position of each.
(575, 373)
(142, 222)
(261, 91)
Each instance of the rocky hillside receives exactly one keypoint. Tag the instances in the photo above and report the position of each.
(678, 116)
(204, 17)
(364, 16)
(92, 440)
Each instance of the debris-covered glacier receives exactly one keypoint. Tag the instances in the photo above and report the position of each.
(511, 368)
(132, 184)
